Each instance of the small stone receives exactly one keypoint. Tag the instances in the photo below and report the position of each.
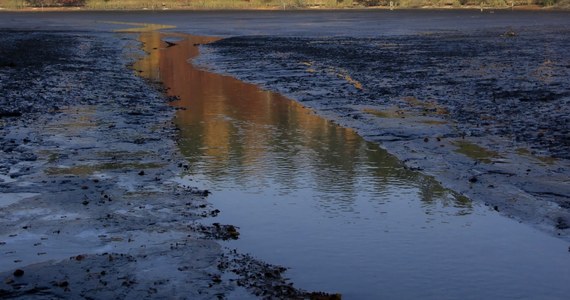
(216, 279)
(19, 273)
(510, 33)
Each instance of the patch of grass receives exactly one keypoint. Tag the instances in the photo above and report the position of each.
(83, 170)
(271, 4)
(476, 152)
(429, 107)
(13, 4)
(434, 122)
(384, 113)
(122, 154)
(215, 4)
(141, 27)
(50, 155)
(523, 151)
(351, 80)
(549, 160)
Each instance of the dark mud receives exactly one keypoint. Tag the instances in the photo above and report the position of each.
(92, 203)
(484, 111)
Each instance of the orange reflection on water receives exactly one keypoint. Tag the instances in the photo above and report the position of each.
(234, 131)
(213, 99)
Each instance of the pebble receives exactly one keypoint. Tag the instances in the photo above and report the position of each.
(19, 273)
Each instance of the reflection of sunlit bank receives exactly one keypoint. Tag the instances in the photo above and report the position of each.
(235, 132)
(140, 27)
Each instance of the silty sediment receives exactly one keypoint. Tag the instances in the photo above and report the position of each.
(483, 111)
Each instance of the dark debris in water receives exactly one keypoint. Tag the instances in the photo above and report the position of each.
(265, 280)
(216, 231)
(71, 279)
(562, 224)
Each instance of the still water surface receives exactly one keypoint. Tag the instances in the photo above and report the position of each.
(344, 215)
(353, 22)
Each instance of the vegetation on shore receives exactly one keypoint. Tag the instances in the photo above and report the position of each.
(274, 4)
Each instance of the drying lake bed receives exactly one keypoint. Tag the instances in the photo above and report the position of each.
(418, 154)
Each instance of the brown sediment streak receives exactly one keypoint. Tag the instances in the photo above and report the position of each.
(340, 73)
(350, 80)
(343, 74)
(545, 160)
(91, 169)
(428, 106)
(140, 27)
(386, 113)
(476, 152)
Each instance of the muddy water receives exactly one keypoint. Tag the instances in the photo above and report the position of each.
(341, 213)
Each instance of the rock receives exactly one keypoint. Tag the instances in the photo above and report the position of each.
(19, 273)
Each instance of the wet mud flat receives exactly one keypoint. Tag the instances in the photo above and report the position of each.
(484, 111)
(91, 205)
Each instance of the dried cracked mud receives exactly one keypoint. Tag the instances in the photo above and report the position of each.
(94, 202)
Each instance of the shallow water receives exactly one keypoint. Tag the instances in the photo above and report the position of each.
(344, 215)
(367, 23)
(340, 212)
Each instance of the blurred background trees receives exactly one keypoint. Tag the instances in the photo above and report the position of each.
(276, 4)
(55, 3)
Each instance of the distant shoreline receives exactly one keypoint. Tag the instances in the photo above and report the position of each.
(318, 8)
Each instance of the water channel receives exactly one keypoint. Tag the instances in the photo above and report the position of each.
(341, 213)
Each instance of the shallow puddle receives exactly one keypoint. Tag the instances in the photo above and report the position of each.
(343, 214)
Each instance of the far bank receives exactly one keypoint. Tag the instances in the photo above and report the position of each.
(72, 5)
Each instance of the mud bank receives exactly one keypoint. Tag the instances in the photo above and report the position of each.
(94, 202)
(483, 111)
